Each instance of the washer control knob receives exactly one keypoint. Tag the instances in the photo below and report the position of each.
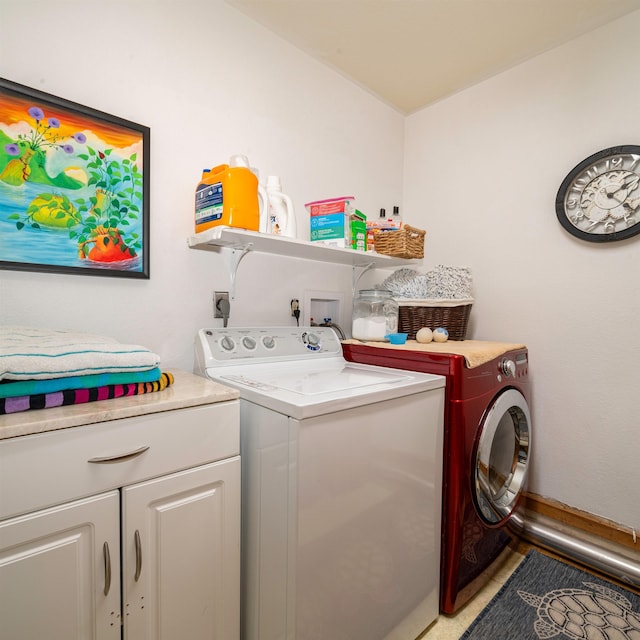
(227, 343)
(311, 341)
(508, 367)
(248, 343)
(268, 342)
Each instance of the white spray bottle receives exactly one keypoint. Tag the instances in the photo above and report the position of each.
(282, 217)
(263, 201)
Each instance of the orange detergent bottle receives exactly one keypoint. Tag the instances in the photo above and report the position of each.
(227, 196)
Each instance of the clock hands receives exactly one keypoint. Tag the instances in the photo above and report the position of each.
(628, 184)
(612, 190)
(606, 200)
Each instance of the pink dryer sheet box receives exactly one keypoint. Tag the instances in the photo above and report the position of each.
(330, 221)
(331, 206)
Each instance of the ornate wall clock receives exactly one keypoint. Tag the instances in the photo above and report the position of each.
(599, 200)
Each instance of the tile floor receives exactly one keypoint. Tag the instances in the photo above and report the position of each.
(452, 627)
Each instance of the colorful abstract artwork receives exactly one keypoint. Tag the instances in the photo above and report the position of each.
(74, 187)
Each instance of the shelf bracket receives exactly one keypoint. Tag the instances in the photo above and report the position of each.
(236, 255)
(356, 275)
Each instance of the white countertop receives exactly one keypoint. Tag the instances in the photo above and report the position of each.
(188, 390)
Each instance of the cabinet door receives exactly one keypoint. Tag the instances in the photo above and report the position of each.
(55, 567)
(181, 555)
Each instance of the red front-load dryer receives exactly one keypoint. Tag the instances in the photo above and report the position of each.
(487, 445)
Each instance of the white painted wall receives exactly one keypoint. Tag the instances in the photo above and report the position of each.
(482, 170)
(481, 173)
(210, 83)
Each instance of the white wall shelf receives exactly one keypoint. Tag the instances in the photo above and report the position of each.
(241, 241)
(216, 237)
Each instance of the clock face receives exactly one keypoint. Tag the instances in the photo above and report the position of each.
(599, 200)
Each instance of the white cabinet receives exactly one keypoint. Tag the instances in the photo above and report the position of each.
(181, 544)
(54, 572)
(172, 506)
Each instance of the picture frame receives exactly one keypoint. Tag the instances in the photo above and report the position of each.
(74, 187)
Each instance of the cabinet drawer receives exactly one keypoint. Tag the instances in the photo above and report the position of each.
(45, 469)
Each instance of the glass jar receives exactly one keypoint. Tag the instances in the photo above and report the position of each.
(375, 314)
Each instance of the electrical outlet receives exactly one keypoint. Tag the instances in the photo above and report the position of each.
(217, 297)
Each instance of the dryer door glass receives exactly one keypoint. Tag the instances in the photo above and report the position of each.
(502, 457)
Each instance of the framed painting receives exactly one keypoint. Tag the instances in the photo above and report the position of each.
(74, 187)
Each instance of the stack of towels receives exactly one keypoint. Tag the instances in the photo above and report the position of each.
(443, 282)
(42, 368)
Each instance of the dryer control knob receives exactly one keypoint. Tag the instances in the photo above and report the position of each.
(508, 367)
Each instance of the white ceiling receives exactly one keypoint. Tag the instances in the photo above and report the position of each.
(411, 53)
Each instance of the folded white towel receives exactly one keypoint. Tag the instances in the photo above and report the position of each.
(39, 354)
(441, 282)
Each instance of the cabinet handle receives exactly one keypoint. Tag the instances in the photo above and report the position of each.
(138, 544)
(107, 568)
(118, 458)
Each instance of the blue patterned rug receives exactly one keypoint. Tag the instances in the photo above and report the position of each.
(545, 598)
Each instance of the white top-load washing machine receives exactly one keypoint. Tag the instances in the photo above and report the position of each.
(341, 486)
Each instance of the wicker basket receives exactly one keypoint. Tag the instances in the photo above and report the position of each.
(407, 242)
(452, 315)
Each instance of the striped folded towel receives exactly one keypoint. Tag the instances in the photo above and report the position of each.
(16, 388)
(39, 354)
(80, 396)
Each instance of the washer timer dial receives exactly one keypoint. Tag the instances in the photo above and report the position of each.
(311, 341)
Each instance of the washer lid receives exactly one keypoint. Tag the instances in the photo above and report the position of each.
(303, 389)
(339, 378)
